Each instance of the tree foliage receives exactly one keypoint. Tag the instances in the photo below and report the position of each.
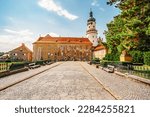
(130, 30)
(147, 58)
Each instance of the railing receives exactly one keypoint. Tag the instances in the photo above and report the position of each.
(4, 67)
(142, 71)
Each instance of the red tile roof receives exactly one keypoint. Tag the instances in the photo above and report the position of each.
(99, 47)
(72, 40)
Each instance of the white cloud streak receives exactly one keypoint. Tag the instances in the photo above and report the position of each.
(53, 34)
(50, 5)
(24, 33)
(95, 3)
(102, 9)
(12, 39)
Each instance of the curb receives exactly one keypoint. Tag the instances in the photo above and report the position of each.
(104, 86)
(7, 73)
(133, 77)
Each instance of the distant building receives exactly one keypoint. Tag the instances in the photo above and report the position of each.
(4, 57)
(62, 48)
(22, 53)
(100, 51)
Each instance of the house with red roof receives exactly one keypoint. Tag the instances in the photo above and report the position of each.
(62, 48)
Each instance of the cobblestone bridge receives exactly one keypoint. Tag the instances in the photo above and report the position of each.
(71, 80)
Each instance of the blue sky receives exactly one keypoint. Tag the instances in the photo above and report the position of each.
(23, 21)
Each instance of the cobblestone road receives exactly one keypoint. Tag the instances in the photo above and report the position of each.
(66, 81)
(124, 88)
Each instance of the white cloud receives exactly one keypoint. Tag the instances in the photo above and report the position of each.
(102, 9)
(50, 5)
(95, 3)
(12, 39)
(53, 34)
(25, 32)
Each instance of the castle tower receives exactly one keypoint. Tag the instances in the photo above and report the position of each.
(91, 32)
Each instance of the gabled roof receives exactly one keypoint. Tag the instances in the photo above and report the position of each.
(71, 40)
(22, 47)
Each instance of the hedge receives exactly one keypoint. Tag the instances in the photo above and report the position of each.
(112, 57)
(96, 60)
(147, 58)
(114, 63)
(137, 56)
(41, 62)
(15, 66)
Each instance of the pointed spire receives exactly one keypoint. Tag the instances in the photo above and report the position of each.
(91, 18)
(91, 13)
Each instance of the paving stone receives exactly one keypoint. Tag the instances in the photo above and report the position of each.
(66, 81)
(124, 87)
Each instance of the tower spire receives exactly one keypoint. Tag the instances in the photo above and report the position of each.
(91, 31)
(91, 13)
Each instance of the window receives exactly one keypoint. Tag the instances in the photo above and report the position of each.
(49, 47)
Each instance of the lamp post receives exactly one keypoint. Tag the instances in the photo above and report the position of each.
(49, 56)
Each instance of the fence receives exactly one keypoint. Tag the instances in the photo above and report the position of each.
(4, 66)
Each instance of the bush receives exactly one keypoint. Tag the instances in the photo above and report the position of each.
(42, 62)
(114, 63)
(105, 63)
(137, 56)
(96, 59)
(112, 57)
(15, 66)
(147, 58)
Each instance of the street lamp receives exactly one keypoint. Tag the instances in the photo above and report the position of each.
(49, 56)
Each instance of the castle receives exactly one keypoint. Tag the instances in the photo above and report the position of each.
(66, 48)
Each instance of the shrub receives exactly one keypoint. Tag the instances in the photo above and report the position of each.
(114, 63)
(41, 62)
(137, 56)
(15, 66)
(105, 63)
(96, 59)
(112, 57)
(147, 58)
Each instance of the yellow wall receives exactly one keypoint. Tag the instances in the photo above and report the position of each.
(100, 53)
(55, 51)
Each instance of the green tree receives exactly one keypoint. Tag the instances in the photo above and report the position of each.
(130, 30)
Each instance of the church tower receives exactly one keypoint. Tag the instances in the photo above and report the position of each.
(91, 32)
